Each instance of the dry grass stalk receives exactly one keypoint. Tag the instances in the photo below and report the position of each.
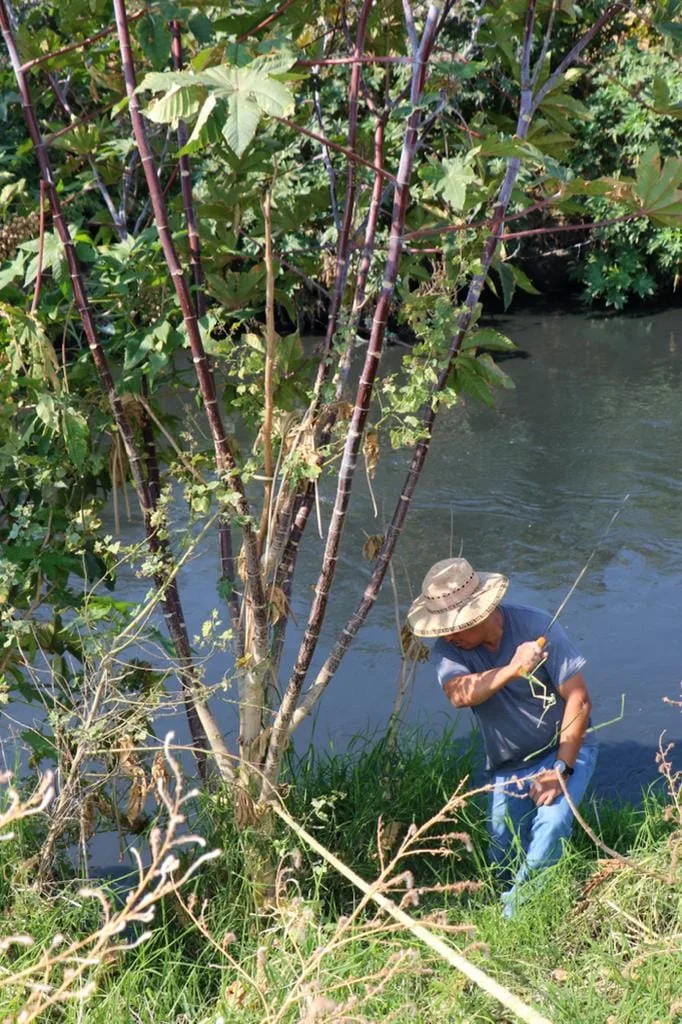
(64, 972)
(433, 837)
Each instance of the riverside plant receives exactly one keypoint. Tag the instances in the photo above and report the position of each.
(391, 953)
(66, 970)
(236, 94)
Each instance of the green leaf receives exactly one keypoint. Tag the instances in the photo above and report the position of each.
(201, 28)
(154, 37)
(493, 372)
(507, 280)
(468, 379)
(523, 281)
(42, 746)
(242, 122)
(489, 339)
(457, 174)
(162, 81)
(661, 91)
(195, 141)
(47, 413)
(179, 104)
(657, 187)
(75, 427)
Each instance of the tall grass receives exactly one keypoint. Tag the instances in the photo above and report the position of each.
(599, 942)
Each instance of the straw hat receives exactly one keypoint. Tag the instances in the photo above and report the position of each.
(454, 597)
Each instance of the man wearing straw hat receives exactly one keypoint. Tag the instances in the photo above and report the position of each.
(531, 704)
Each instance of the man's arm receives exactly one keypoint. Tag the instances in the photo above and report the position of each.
(575, 719)
(467, 691)
(546, 788)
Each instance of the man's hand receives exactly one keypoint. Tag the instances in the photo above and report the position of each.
(545, 788)
(526, 658)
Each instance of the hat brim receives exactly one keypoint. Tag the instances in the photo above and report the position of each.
(427, 621)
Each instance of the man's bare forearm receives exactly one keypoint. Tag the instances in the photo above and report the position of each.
(573, 726)
(468, 691)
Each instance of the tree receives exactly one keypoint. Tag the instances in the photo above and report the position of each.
(256, 127)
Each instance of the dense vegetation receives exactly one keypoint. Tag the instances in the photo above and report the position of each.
(187, 192)
(599, 942)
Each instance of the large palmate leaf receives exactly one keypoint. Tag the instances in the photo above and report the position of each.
(457, 174)
(250, 91)
(657, 187)
(181, 103)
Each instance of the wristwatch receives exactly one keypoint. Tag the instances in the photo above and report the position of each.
(563, 768)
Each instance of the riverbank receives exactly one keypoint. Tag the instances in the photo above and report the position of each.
(598, 943)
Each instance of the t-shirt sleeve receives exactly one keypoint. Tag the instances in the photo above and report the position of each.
(563, 659)
(447, 667)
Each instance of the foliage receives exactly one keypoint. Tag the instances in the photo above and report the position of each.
(631, 97)
(595, 941)
(267, 165)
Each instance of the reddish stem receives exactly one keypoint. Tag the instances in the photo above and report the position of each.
(41, 250)
(109, 30)
(354, 157)
(226, 466)
(186, 186)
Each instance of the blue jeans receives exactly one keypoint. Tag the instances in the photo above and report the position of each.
(525, 839)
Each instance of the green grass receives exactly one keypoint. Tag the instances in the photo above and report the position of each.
(612, 955)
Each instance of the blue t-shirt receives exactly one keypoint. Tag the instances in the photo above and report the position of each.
(520, 723)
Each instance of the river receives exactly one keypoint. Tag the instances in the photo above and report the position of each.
(526, 488)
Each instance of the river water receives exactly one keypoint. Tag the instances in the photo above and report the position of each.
(526, 488)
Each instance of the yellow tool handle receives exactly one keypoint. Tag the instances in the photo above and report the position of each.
(541, 641)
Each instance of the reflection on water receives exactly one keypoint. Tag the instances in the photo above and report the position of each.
(526, 488)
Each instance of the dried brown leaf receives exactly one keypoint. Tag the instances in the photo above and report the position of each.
(371, 451)
(372, 547)
(411, 647)
(277, 604)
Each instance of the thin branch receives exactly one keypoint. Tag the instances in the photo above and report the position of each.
(571, 57)
(281, 726)
(329, 166)
(326, 62)
(573, 227)
(545, 44)
(270, 338)
(266, 22)
(353, 157)
(41, 250)
(411, 28)
(173, 613)
(109, 30)
(255, 600)
(186, 186)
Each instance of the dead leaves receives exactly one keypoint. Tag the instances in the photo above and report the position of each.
(371, 451)
(411, 647)
(277, 604)
(372, 547)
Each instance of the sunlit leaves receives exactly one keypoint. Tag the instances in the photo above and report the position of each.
(457, 174)
(180, 103)
(657, 187)
(249, 91)
(487, 338)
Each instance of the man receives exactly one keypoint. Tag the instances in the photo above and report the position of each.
(524, 683)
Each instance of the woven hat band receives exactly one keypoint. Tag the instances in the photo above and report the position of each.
(453, 595)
